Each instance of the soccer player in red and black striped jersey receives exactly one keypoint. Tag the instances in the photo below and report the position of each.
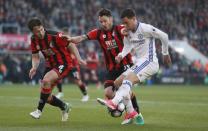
(55, 51)
(74, 75)
(110, 38)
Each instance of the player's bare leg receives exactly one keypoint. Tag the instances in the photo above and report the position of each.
(124, 93)
(131, 115)
(46, 97)
(60, 93)
(118, 83)
(109, 90)
(83, 89)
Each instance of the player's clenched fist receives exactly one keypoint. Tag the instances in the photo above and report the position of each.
(118, 58)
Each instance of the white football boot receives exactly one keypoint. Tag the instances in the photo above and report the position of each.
(36, 114)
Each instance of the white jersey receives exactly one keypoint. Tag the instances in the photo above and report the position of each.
(143, 42)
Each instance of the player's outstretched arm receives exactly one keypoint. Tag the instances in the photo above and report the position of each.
(35, 64)
(164, 39)
(156, 33)
(75, 51)
(75, 39)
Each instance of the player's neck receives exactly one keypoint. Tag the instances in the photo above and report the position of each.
(111, 28)
(42, 37)
(136, 25)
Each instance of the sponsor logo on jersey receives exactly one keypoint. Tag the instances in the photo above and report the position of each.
(110, 44)
(140, 36)
(139, 40)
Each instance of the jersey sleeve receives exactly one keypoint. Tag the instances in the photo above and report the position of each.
(156, 33)
(126, 49)
(61, 41)
(92, 35)
(33, 46)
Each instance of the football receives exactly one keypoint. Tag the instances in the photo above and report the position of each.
(117, 112)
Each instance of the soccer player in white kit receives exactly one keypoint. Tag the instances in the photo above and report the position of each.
(141, 37)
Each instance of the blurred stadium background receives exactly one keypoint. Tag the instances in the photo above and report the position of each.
(186, 22)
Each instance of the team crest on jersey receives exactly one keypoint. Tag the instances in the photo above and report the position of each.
(140, 36)
(104, 36)
(110, 44)
(129, 37)
(51, 44)
(113, 34)
(139, 40)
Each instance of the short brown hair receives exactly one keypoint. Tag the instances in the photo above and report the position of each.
(104, 12)
(34, 22)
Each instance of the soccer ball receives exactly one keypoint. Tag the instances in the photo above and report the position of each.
(118, 111)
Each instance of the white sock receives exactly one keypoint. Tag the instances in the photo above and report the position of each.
(123, 91)
(128, 104)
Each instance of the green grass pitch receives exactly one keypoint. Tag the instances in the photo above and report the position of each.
(165, 108)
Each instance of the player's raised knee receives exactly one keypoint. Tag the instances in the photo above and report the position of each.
(109, 89)
(45, 83)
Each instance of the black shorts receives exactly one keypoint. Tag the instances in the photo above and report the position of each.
(61, 70)
(112, 75)
(73, 72)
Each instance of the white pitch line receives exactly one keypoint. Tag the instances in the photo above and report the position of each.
(94, 100)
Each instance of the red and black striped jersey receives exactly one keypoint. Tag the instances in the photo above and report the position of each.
(53, 48)
(75, 62)
(111, 43)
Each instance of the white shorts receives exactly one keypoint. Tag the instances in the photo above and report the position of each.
(143, 69)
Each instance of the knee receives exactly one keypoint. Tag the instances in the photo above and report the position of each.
(46, 87)
(109, 89)
(78, 82)
(109, 93)
(132, 78)
(49, 100)
(45, 83)
(132, 95)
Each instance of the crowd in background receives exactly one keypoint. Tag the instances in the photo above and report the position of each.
(181, 19)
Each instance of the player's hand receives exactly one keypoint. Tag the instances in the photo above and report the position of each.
(32, 72)
(167, 60)
(118, 58)
(82, 62)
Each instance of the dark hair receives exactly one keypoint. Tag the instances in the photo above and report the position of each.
(34, 22)
(129, 13)
(104, 12)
